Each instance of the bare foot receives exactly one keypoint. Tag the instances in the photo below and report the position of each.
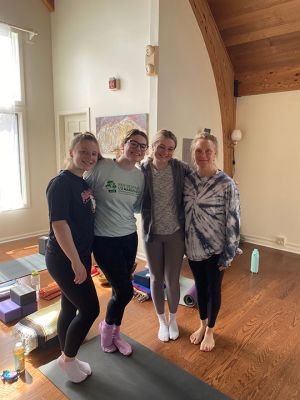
(208, 342)
(197, 336)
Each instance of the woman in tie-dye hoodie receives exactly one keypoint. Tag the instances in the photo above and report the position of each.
(212, 227)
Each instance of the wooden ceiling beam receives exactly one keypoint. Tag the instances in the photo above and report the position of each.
(223, 73)
(49, 4)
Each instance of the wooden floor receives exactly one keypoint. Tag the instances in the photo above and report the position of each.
(257, 354)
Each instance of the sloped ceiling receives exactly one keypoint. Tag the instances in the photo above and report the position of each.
(49, 4)
(262, 38)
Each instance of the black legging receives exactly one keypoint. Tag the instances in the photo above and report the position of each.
(73, 326)
(208, 280)
(116, 256)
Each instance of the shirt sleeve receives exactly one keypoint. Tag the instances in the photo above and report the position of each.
(232, 228)
(58, 200)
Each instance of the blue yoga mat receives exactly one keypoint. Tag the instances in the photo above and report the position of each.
(20, 267)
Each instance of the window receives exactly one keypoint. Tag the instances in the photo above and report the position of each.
(12, 166)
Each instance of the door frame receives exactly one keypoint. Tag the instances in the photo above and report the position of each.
(60, 131)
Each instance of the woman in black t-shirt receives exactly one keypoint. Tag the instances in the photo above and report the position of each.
(68, 255)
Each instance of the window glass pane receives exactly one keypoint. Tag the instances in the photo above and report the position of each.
(10, 79)
(10, 168)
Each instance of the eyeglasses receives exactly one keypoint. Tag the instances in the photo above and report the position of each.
(135, 145)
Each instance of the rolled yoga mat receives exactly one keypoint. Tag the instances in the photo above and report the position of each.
(190, 298)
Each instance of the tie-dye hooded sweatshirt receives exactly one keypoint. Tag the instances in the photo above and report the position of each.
(212, 217)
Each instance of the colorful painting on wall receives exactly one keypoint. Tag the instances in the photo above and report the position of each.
(110, 131)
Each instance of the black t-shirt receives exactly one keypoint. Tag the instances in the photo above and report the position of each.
(70, 198)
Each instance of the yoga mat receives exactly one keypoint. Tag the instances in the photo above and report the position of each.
(144, 375)
(185, 285)
(20, 267)
(190, 298)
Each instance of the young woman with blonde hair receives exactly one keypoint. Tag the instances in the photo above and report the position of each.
(163, 227)
(212, 228)
(68, 254)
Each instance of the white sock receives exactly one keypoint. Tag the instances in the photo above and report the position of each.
(84, 366)
(163, 332)
(173, 327)
(72, 370)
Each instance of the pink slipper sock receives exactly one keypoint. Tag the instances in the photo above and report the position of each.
(123, 347)
(106, 332)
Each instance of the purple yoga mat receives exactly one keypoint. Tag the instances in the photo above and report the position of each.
(190, 298)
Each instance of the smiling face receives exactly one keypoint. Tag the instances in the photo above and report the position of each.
(205, 154)
(84, 156)
(135, 148)
(163, 150)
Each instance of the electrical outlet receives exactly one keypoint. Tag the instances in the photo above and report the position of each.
(281, 240)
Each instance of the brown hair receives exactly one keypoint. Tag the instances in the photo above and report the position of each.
(134, 132)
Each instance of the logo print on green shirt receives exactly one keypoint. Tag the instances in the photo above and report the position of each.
(111, 186)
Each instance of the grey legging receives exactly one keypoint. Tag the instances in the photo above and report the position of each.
(164, 255)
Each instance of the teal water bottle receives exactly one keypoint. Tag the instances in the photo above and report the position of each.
(254, 261)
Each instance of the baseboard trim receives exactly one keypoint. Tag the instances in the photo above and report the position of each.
(289, 247)
(23, 236)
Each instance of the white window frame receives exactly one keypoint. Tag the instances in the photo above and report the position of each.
(19, 110)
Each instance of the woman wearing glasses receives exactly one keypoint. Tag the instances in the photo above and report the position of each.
(163, 227)
(118, 188)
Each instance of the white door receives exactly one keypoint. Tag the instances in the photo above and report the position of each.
(74, 123)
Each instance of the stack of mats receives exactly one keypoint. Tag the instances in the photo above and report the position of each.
(22, 302)
(5, 288)
(141, 285)
(50, 292)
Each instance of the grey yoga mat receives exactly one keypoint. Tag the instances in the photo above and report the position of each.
(144, 375)
(20, 267)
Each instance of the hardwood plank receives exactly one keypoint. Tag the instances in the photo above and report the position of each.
(268, 81)
(229, 13)
(257, 354)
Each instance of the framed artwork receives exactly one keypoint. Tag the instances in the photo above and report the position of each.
(110, 131)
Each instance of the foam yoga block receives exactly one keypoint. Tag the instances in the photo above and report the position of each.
(190, 298)
(23, 294)
(9, 311)
(28, 309)
(43, 244)
(142, 278)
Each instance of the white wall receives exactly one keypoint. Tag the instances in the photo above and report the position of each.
(268, 168)
(39, 118)
(187, 94)
(92, 41)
